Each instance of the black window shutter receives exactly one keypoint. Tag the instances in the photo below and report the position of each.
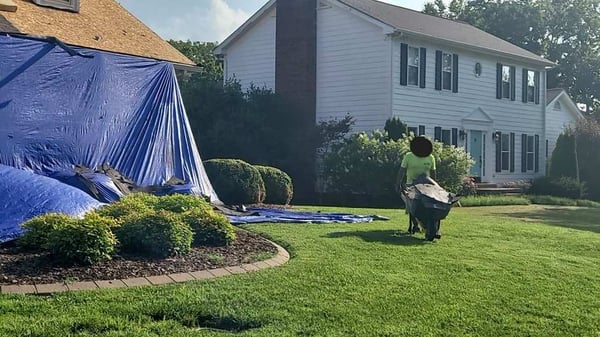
(523, 153)
(437, 133)
(512, 152)
(513, 89)
(455, 136)
(454, 73)
(438, 70)
(537, 87)
(421, 130)
(403, 63)
(422, 66)
(499, 81)
(499, 153)
(537, 153)
(524, 88)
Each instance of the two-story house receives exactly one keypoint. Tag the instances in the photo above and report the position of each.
(445, 79)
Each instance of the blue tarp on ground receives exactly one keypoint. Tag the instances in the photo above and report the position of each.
(59, 110)
(63, 106)
(24, 195)
(287, 216)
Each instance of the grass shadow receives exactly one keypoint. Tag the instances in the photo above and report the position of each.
(390, 237)
(586, 219)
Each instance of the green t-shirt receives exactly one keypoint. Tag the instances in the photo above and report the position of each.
(415, 166)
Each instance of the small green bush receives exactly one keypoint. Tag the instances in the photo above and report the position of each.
(550, 200)
(278, 185)
(563, 187)
(179, 203)
(158, 234)
(476, 201)
(129, 205)
(39, 229)
(588, 203)
(235, 181)
(395, 128)
(210, 228)
(86, 241)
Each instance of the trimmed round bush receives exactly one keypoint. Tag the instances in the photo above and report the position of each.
(210, 228)
(130, 205)
(278, 185)
(180, 203)
(39, 228)
(235, 181)
(85, 241)
(564, 187)
(157, 234)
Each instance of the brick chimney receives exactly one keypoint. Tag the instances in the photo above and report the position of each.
(295, 76)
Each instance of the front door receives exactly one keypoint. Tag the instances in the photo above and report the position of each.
(476, 151)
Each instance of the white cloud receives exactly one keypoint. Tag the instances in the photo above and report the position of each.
(203, 23)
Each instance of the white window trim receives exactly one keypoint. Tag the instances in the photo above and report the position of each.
(527, 153)
(532, 100)
(557, 106)
(451, 70)
(509, 81)
(418, 66)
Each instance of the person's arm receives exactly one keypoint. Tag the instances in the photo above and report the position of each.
(433, 172)
(400, 186)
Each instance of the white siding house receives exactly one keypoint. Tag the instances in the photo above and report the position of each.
(561, 113)
(447, 80)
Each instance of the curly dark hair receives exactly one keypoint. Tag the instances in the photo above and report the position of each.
(421, 146)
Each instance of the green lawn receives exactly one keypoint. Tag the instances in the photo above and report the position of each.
(498, 271)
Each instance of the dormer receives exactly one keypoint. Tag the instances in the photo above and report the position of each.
(69, 5)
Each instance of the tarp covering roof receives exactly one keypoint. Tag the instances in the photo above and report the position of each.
(63, 106)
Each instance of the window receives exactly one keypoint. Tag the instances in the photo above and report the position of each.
(530, 86)
(530, 153)
(412, 130)
(505, 148)
(421, 130)
(506, 81)
(446, 137)
(413, 66)
(557, 106)
(446, 71)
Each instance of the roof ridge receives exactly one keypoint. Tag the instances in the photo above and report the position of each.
(427, 14)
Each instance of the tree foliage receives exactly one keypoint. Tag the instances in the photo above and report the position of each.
(201, 53)
(564, 31)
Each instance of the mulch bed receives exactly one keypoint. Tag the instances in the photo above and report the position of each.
(18, 267)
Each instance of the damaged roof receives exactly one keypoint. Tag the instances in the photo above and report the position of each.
(99, 24)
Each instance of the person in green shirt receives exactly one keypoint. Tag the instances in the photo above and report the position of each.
(418, 161)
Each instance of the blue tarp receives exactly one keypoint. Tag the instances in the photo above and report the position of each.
(62, 106)
(283, 215)
(24, 195)
(58, 110)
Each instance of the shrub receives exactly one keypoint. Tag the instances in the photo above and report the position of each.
(179, 203)
(278, 185)
(129, 205)
(468, 187)
(558, 187)
(363, 164)
(86, 241)
(395, 128)
(368, 164)
(209, 227)
(562, 163)
(235, 181)
(158, 234)
(39, 229)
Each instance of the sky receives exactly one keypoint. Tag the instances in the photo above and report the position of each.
(205, 20)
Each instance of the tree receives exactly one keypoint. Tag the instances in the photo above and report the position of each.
(201, 53)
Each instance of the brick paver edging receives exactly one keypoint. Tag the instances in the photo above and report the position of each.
(44, 289)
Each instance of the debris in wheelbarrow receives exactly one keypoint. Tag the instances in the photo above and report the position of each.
(427, 204)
